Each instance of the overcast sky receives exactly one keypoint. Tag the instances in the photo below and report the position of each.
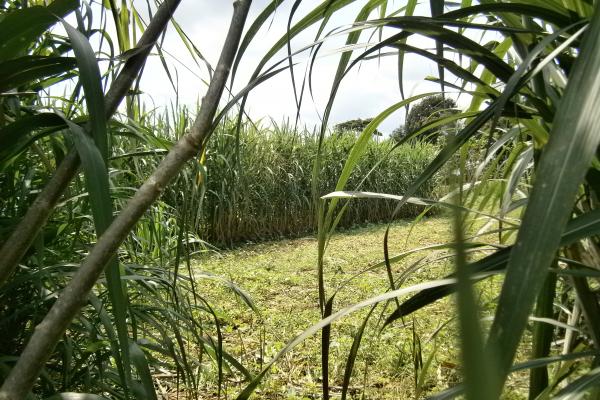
(364, 93)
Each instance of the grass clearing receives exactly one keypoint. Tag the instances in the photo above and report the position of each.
(280, 277)
(407, 360)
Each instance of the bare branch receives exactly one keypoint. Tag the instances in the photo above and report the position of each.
(74, 296)
(35, 218)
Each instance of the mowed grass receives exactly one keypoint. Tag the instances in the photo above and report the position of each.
(405, 360)
(281, 279)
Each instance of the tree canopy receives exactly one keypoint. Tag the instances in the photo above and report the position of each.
(355, 125)
(426, 111)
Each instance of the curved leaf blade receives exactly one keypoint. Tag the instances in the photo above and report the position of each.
(562, 167)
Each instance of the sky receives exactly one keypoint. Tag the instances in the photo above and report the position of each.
(370, 88)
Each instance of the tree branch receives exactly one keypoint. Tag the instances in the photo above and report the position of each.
(35, 218)
(74, 296)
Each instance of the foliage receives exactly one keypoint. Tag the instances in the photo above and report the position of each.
(275, 167)
(523, 196)
(142, 314)
(429, 109)
(279, 277)
(355, 125)
(498, 186)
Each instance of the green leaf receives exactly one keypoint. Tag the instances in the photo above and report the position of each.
(437, 9)
(410, 9)
(578, 388)
(546, 14)
(28, 69)
(542, 336)
(354, 35)
(324, 9)
(141, 364)
(462, 44)
(251, 33)
(16, 137)
(535, 363)
(562, 167)
(358, 150)
(89, 77)
(94, 156)
(478, 365)
(353, 353)
(581, 227)
(97, 184)
(21, 28)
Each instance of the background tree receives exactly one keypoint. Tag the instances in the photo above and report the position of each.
(426, 111)
(356, 126)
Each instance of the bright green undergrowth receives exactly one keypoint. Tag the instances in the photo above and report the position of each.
(280, 278)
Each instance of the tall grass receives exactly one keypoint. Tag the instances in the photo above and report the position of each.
(534, 191)
(141, 313)
(268, 194)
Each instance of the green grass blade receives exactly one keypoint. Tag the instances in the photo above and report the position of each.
(89, 77)
(437, 9)
(545, 14)
(411, 200)
(562, 167)
(358, 150)
(251, 33)
(28, 69)
(325, 345)
(93, 157)
(141, 364)
(15, 137)
(410, 9)
(20, 28)
(96, 179)
(589, 305)
(453, 67)
(248, 390)
(578, 389)
(324, 9)
(537, 363)
(478, 367)
(353, 353)
(354, 35)
(435, 31)
(581, 227)
(542, 336)
(109, 329)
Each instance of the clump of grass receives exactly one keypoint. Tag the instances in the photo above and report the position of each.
(266, 193)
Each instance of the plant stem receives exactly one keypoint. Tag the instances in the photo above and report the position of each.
(15, 247)
(74, 296)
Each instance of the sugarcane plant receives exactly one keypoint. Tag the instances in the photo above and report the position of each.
(531, 122)
(519, 170)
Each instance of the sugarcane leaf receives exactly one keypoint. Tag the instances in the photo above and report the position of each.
(19, 29)
(562, 167)
(29, 69)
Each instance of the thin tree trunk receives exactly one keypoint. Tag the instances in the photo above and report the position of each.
(47, 334)
(35, 218)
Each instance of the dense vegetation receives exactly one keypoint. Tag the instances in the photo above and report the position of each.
(105, 204)
(429, 109)
(275, 166)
